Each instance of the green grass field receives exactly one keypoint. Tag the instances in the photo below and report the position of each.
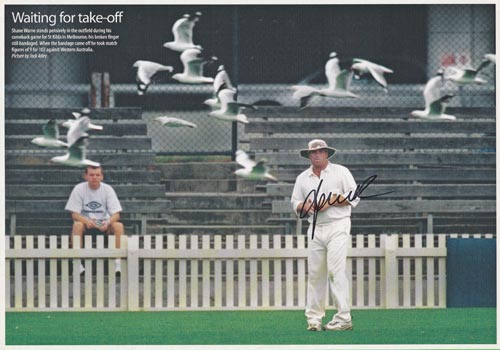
(409, 326)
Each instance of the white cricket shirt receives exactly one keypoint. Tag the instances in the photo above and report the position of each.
(337, 179)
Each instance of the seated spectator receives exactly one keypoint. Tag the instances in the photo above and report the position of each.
(95, 209)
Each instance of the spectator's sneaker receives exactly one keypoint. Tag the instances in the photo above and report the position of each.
(118, 266)
(314, 327)
(338, 326)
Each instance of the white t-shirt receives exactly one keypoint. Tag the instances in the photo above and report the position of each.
(337, 179)
(97, 204)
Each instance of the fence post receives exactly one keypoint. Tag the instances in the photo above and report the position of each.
(430, 223)
(95, 90)
(390, 243)
(105, 90)
(133, 273)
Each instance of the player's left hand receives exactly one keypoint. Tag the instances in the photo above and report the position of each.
(104, 226)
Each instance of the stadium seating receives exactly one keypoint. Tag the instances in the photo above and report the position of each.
(442, 173)
(36, 190)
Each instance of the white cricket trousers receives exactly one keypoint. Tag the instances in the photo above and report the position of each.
(326, 265)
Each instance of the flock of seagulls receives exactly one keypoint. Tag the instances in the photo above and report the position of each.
(77, 139)
(225, 106)
(224, 103)
(435, 102)
(339, 82)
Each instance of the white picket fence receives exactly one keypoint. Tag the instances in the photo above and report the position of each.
(191, 272)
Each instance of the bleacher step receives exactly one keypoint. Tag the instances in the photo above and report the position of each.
(200, 185)
(217, 229)
(197, 170)
(217, 217)
(213, 200)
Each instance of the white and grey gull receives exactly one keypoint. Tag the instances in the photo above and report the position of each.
(183, 33)
(252, 170)
(193, 63)
(361, 66)
(435, 104)
(75, 155)
(50, 136)
(146, 71)
(230, 109)
(339, 82)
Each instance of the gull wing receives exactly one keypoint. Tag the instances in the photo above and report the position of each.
(306, 100)
(51, 130)
(439, 106)
(147, 70)
(432, 90)
(245, 105)
(260, 168)
(235, 107)
(179, 121)
(332, 71)
(226, 96)
(308, 78)
(377, 74)
(343, 80)
(222, 79)
(483, 64)
(183, 30)
(77, 149)
(244, 160)
(194, 67)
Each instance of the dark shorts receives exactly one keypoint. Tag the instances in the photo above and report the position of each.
(95, 232)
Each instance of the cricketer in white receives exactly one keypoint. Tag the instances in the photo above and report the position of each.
(326, 192)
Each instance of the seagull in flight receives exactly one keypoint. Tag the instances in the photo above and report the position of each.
(84, 112)
(50, 136)
(252, 170)
(467, 76)
(491, 57)
(435, 104)
(175, 122)
(75, 156)
(221, 81)
(338, 84)
(146, 70)
(193, 68)
(361, 67)
(78, 129)
(183, 33)
(230, 109)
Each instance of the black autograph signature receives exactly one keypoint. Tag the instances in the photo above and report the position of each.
(320, 202)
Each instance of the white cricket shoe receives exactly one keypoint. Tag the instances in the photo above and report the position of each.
(338, 326)
(314, 327)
